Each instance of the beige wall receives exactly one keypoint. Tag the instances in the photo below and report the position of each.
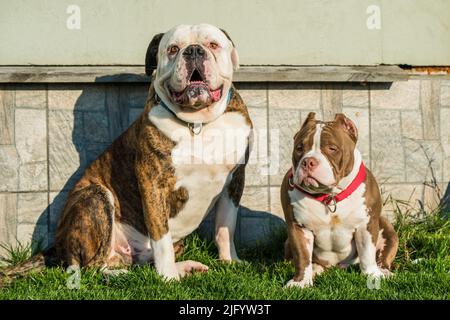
(275, 32)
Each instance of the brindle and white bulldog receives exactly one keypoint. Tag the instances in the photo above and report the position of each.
(332, 205)
(183, 156)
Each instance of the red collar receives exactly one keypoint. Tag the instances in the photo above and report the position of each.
(328, 198)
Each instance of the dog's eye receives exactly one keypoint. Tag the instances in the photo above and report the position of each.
(213, 45)
(173, 49)
(332, 148)
(299, 148)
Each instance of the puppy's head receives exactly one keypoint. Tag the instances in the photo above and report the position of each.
(194, 70)
(323, 153)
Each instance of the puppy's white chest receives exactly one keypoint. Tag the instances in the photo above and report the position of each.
(203, 163)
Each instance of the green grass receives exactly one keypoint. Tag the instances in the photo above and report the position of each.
(263, 275)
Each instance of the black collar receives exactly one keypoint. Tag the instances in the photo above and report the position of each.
(196, 127)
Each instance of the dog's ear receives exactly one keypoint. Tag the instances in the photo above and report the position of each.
(348, 125)
(311, 117)
(151, 57)
(234, 54)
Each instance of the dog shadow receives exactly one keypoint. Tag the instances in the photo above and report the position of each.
(100, 114)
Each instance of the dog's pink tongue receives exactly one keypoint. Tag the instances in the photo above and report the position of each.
(215, 95)
(311, 181)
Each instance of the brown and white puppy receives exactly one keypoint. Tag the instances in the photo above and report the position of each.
(183, 156)
(332, 205)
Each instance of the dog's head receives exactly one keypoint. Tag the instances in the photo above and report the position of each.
(323, 153)
(194, 69)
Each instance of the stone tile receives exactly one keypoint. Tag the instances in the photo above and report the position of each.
(355, 95)
(404, 196)
(8, 219)
(446, 171)
(256, 198)
(9, 168)
(360, 117)
(287, 122)
(76, 97)
(65, 146)
(95, 127)
(275, 202)
(412, 124)
(445, 93)
(134, 96)
(445, 130)
(429, 101)
(117, 113)
(331, 100)
(259, 118)
(57, 203)
(31, 135)
(33, 176)
(32, 208)
(6, 116)
(402, 192)
(253, 94)
(421, 159)
(387, 158)
(36, 235)
(258, 161)
(31, 96)
(294, 96)
(400, 95)
(256, 172)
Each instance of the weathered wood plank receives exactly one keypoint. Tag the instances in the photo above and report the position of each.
(111, 74)
(6, 116)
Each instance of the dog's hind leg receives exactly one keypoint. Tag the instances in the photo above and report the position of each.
(84, 233)
(387, 244)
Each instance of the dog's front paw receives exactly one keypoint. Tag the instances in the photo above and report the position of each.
(188, 267)
(377, 272)
(306, 282)
(169, 273)
(230, 260)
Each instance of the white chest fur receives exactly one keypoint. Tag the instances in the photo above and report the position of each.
(203, 163)
(333, 232)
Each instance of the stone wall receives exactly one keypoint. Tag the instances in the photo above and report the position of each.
(50, 132)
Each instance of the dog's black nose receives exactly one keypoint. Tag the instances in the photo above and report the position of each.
(193, 51)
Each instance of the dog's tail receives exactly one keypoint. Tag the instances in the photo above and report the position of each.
(36, 263)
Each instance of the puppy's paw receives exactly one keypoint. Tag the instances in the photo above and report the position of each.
(169, 273)
(387, 273)
(227, 258)
(188, 267)
(377, 272)
(307, 282)
(231, 260)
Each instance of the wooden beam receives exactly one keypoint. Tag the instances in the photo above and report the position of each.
(117, 74)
